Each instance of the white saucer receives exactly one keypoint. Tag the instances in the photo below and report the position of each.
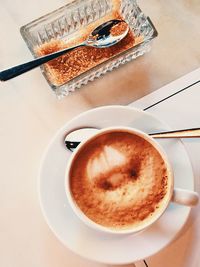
(88, 243)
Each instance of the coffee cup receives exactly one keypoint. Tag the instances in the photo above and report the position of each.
(120, 181)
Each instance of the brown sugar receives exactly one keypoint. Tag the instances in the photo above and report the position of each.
(74, 63)
(79, 60)
(119, 28)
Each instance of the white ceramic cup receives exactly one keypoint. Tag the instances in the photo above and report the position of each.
(177, 195)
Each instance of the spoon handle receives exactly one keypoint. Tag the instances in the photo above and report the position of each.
(20, 69)
(185, 133)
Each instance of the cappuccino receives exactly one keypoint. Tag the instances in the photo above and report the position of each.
(119, 180)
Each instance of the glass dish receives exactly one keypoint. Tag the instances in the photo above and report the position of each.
(63, 24)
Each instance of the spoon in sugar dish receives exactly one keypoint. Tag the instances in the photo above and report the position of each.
(107, 34)
(74, 138)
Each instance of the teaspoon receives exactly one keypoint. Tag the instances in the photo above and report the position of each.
(73, 139)
(101, 37)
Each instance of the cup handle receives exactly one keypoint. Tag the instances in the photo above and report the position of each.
(185, 197)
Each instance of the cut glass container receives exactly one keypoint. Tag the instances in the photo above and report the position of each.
(64, 22)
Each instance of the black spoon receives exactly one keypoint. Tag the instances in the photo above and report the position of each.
(101, 37)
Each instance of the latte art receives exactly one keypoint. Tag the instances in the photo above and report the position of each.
(119, 180)
(106, 160)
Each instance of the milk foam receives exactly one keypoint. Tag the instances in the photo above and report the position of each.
(119, 180)
(107, 159)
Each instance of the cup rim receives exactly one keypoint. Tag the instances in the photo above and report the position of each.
(89, 222)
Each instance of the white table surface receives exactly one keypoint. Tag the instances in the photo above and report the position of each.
(30, 115)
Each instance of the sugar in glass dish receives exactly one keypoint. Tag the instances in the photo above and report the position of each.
(70, 25)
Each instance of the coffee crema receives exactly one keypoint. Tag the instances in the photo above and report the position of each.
(119, 180)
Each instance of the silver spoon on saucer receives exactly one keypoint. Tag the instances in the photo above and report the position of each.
(101, 37)
(74, 138)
